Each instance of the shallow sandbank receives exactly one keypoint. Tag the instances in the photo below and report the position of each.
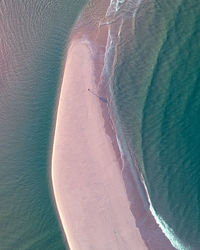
(88, 186)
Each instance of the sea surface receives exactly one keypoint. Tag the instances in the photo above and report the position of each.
(157, 93)
(156, 90)
(33, 38)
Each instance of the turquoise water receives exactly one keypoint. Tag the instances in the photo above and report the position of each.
(157, 91)
(32, 48)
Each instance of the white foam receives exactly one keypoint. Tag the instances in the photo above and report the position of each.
(168, 232)
(118, 4)
(114, 7)
(111, 7)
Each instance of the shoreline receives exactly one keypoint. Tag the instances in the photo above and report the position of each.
(95, 38)
(69, 229)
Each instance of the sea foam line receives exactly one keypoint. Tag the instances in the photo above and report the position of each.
(168, 231)
(124, 150)
(122, 145)
(118, 4)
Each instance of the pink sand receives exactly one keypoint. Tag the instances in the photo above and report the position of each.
(89, 190)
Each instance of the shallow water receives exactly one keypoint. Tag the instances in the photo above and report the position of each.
(32, 48)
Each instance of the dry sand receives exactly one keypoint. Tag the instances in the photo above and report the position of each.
(88, 186)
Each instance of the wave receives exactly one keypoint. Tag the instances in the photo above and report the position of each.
(124, 151)
(166, 229)
(113, 15)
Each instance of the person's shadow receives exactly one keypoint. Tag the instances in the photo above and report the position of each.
(100, 98)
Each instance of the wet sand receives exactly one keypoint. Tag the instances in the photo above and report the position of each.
(88, 186)
(99, 193)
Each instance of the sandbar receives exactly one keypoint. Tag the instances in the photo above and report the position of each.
(88, 187)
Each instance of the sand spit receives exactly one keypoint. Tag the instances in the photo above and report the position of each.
(99, 193)
(89, 190)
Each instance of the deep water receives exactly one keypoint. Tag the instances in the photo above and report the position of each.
(32, 49)
(157, 91)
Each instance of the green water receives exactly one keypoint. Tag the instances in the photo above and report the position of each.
(157, 90)
(32, 46)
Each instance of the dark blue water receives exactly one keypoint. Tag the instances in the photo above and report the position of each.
(157, 90)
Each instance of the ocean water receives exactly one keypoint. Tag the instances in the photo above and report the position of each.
(157, 92)
(32, 49)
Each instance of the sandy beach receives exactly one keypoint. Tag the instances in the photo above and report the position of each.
(88, 186)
